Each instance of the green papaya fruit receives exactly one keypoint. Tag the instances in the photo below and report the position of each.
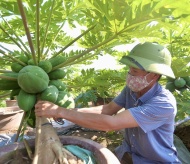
(50, 94)
(179, 82)
(26, 101)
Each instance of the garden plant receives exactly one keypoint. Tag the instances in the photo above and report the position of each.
(44, 61)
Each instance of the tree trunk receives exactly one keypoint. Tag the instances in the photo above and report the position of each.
(48, 148)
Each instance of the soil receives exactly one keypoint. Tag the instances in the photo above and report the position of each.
(109, 140)
(183, 132)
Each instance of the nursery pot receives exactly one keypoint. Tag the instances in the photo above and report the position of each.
(11, 103)
(102, 154)
(10, 118)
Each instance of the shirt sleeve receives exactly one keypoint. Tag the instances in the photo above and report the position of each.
(121, 98)
(153, 114)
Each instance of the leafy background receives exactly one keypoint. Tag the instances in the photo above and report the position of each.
(43, 33)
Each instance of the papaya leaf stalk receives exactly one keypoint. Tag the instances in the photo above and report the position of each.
(5, 95)
(12, 58)
(28, 149)
(56, 35)
(20, 127)
(8, 78)
(14, 40)
(47, 27)
(72, 59)
(38, 29)
(5, 71)
(5, 49)
(73, 41)
(82, 59)
(22, 13)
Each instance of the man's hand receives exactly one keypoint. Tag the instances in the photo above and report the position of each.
(46, 109)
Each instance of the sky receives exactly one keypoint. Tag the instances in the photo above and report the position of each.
(109, 62)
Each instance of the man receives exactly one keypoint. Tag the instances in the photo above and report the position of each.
(148, 118)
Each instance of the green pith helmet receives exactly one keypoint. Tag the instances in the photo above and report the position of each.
(150, 57)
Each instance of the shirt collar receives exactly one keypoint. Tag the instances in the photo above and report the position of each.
(150, 93)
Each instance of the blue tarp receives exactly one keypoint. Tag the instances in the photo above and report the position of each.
(6, 139)
(85, 155)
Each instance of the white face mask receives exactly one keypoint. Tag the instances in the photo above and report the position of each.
(137, 83)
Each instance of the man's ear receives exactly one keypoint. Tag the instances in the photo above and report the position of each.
(157, 76)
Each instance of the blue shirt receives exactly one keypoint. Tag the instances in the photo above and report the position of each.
(152, 141)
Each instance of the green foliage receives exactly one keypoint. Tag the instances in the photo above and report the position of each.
(92, 84)
(83, 99)
(65, 100)
(30, 118)
(183, 100)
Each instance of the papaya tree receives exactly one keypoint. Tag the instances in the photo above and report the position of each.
(178, 44)
(46, 51)
(180, 86)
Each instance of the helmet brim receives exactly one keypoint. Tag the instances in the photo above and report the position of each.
(148, 65)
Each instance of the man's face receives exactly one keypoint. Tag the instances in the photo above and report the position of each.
(138, 72)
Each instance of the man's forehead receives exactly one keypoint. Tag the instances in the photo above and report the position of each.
(137, 70)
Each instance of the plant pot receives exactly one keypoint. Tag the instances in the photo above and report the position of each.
(11, 103)
(10, 118)
(102, 154)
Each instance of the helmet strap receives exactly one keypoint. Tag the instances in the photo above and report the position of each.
(136, 63)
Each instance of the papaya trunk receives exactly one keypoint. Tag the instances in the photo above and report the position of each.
(48, 147)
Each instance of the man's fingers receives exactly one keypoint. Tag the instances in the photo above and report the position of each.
(39, 104)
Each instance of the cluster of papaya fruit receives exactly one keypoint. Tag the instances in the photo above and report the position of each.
(180, 83)
(30, 82)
